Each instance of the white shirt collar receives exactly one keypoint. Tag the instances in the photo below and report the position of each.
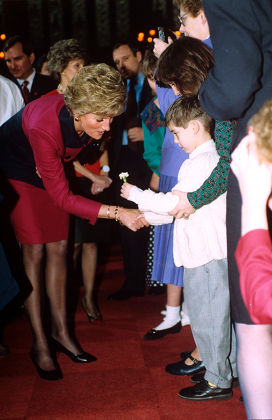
(29, 79)
(208, 145)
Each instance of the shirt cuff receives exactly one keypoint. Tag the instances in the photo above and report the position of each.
(135, 194)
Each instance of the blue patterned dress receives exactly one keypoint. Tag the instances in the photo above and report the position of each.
(154, 130)
(164, 269)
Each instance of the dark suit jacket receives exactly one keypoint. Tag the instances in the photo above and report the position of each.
(50, 136)
(118, 126)
(41, 85)
(237, 86)
(241, 80)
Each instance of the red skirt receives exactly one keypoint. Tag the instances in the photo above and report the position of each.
(35, 218)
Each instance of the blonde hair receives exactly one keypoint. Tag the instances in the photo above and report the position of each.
(96, 89)
(61, 53)
(193, 7)
(261, 123)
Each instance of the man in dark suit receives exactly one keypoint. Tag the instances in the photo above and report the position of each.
(237, 86)
(126, 155)
(19, 58)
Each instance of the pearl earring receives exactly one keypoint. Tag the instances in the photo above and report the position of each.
(77, 119)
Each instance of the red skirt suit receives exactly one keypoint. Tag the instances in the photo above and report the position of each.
(34, 146)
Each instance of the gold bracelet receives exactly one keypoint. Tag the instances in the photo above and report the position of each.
(116, 214)
(108, 212)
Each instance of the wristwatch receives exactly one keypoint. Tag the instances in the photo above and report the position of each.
(105, 168)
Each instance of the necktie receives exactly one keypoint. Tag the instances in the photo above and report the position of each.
(132, 119)
(132, 107)
(25, 91)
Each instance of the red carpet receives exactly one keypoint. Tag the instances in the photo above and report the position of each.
(127, 382)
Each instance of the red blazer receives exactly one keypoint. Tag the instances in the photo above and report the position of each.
(254, 260)
(43, 137)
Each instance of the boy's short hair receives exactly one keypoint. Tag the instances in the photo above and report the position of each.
(186, 109)
(189, 6)
(262, 127)
(149, 64)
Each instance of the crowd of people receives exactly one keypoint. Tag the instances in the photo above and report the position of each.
(190, 124)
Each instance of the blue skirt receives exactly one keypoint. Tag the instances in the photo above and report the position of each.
(164, 269)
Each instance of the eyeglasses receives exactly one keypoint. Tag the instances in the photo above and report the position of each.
(181, 18)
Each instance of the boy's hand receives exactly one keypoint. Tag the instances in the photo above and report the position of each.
(125, 190)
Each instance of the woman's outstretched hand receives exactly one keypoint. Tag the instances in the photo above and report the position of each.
(125, 190)
(132, 218)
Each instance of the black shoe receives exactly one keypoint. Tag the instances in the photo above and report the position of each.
(96, 316)
(124, 294)
(200, 376)
(49, 375)
(185, 354)
(4, 351)
(78, 358)
(180, 368)
(156, 334)
(156, 290)
(121, 294)
(203, 391)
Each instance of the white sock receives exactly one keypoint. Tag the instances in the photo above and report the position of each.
(163, 312)
(171, 318)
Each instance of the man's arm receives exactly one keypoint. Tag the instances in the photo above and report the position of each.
(216, 183)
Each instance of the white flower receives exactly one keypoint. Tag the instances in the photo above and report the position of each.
(123, 176)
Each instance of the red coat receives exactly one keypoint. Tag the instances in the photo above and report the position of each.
(53, 140)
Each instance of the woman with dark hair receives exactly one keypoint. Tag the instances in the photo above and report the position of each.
(191, 54)
(183, 66)
(35, 144)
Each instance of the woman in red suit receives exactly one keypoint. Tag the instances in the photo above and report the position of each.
(34, 146)
(252, 165)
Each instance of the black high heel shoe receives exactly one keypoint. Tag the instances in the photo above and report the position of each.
(78, 358)
(49, 375)
(91, 318)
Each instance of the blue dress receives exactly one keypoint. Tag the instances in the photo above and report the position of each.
(164, 269)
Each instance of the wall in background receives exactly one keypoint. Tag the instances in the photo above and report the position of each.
(97, 24)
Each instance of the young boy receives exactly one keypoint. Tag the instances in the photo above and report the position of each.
(200, 246)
